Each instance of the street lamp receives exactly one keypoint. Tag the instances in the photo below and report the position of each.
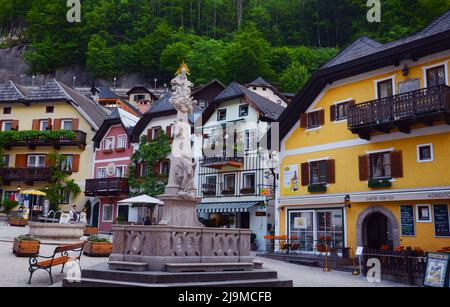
(74, 78)
(156, 80)
(115, 79)
(32, 80)
(347, 202)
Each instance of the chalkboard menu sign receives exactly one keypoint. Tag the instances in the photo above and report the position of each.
(441, 221)
(407, 220)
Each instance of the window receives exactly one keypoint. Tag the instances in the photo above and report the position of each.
(222, 114)
(249, 183)
(7, 126)
(67, 163)
(4, 162)
(340, 110)
(210, 187)
(385, 88)
(121, 171)
(313, 119)
(108, 143)
(243, 110)
(423, 213)
(122, 141)
(156, 132)
(49, 109)
(139, 97)
(254, 88)
(101, 172)
(229, 184)
(436, 76)
(425, 153)
(318, 172)
(36, 161)
(264, 89)
(66, 124)
(65, 196)
(380, 165)
(107, 213)
(165, 168)
(43, 124)
(7, 110)
(250, 139)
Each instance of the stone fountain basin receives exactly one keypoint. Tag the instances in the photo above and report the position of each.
(57, 232)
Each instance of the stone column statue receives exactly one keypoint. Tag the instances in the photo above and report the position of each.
(180, 200)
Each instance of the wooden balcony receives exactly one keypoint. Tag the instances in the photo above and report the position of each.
(402, 111)
(28, 175)
(79, 140)
(107, 187)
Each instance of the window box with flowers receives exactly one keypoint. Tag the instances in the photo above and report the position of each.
(248, 191)
(26, 245)
(317, 188)
(380, 183)
(209, 192)
(228, 192)
(97, 246)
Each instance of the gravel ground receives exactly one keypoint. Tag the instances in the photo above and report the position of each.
(14, 270)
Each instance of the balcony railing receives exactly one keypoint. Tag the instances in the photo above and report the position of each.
(79, 140)
(28, 175)
(400, 111)
(107, 186)
(220, 162)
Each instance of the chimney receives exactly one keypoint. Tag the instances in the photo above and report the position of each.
(144, 106)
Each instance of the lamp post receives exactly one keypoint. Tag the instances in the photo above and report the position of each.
(156, 80)
(115, 79)
(32, 80)
(74, 78)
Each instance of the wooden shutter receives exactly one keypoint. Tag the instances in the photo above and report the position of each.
(75, 123)
(304, 120)
(48, 162)
(321, 117)
(137, 171)
(15, 125)
(396, 164)
(49, 123)
(21, 161)
(149, 135)
(157, 168)
(35, 124)
(57, 124)
(363, 168)
(169, 131)
(76, 163)
(305, 174)
(331, 171)
(333, 112)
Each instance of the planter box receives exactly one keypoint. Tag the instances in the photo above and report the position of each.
(317, 188)
(17, 222)
(380, 183)
(26, 248)
(89, 230)
(247, 191)
(228, 192)
(99, 249)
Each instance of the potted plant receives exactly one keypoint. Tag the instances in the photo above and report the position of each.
(90, 230)
(380, 183)
(253, 246)
(98, 246)
(317, 188)
(26, 245)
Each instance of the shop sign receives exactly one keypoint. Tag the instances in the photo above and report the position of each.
(261, 213)
(300, 223)
(265, 192)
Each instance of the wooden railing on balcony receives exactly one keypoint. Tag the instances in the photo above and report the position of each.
(402, 110)
(79, 140)
(29, 175)
(107, 186)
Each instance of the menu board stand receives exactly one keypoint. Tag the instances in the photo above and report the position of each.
(436, 274)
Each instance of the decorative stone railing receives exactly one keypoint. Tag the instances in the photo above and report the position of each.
(158, 245)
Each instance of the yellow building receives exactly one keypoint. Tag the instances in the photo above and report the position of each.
(365, 147)
(51, 107)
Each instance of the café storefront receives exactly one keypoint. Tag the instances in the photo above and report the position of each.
(414, 218)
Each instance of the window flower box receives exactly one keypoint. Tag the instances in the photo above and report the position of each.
(380, 183)
(26, 246)
(248, 191)
(209, 193)
(98, 247)
(108, 151)
(317, 188)
(228, 192)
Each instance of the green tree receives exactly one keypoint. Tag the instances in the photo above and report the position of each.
(172, 56)
(59, 182)
(147, 156)
(294, 77)
(206, 61)
(100, 58)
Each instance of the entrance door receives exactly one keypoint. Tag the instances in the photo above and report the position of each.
(95, 212)
(376, 230)
(302, 227)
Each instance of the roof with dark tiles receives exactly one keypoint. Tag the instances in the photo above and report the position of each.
(10, 92)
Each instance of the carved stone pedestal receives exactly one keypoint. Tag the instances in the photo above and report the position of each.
(179, 212)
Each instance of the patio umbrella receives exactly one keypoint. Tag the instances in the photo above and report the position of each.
(142, 200)
(33, 192)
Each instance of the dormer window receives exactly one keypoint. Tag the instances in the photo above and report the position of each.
(108, 144)
(243, 110)
(221, 114)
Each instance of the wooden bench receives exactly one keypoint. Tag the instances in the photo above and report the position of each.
(38, 262)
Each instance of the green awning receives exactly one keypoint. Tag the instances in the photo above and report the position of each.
(227, 207)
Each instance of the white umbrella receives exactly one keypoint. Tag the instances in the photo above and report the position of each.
(143, 199)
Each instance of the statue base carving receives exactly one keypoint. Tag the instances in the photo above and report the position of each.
(179, 211)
